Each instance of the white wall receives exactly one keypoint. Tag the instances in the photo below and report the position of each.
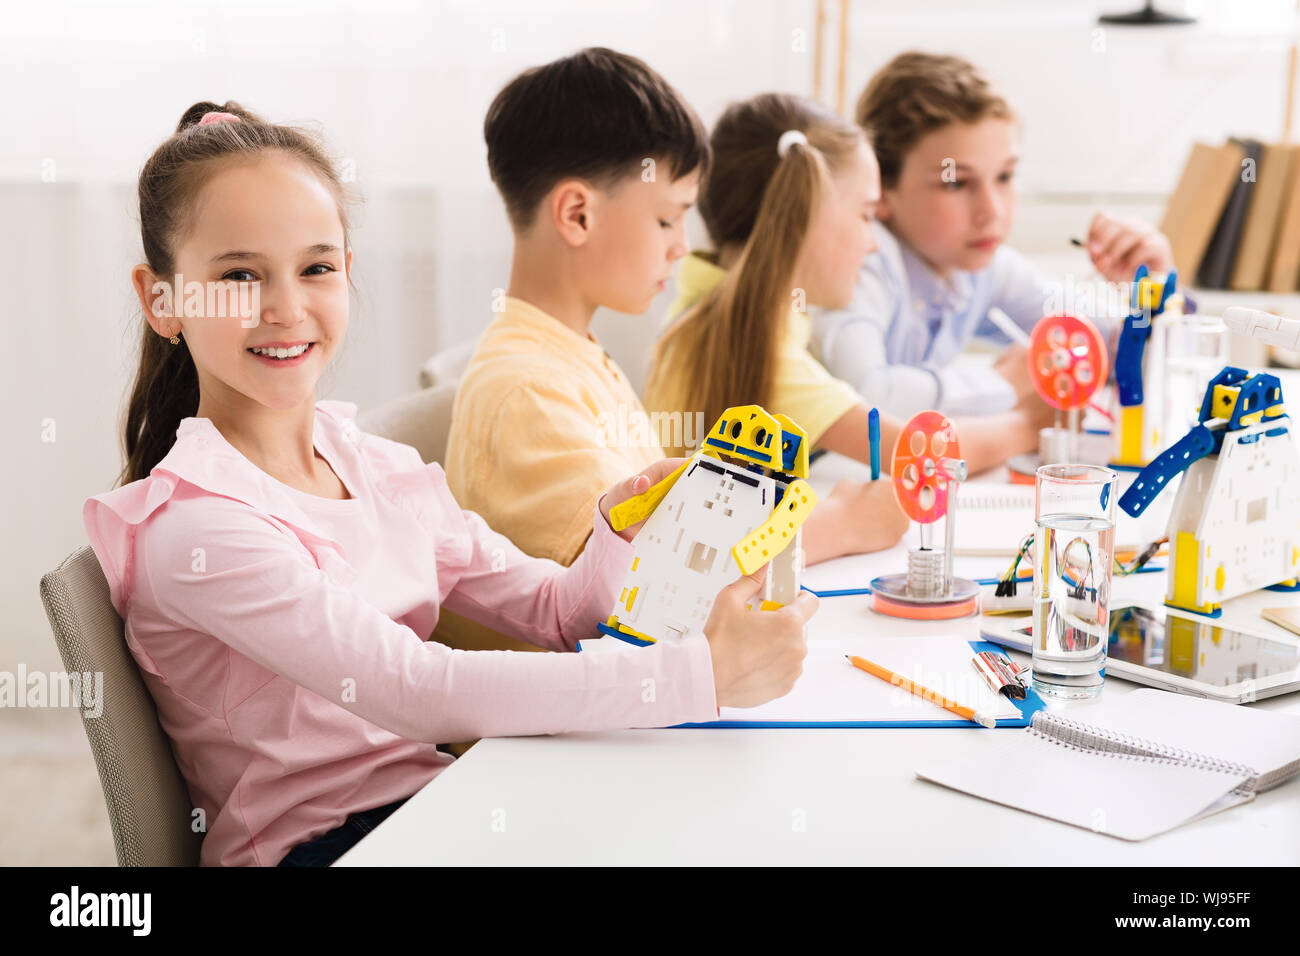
(400, 88)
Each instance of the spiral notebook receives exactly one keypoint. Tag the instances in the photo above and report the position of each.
(1159, 761)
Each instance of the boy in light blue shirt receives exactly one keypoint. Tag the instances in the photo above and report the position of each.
(947, 147)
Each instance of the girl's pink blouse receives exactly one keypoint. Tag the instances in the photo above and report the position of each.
(284, 637)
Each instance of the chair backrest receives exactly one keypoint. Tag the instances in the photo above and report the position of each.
(148, 802)
(421, 419)
(447, 365)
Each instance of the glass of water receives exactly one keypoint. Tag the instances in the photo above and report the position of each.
(1195, 349)
(1074, 544)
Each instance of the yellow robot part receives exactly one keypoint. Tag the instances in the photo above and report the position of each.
(1131, 423)
(1185, 561)
(624, 629)
(1150, 289)
(1224, 401)
(773, 536)
(642, 506)
(751, 433)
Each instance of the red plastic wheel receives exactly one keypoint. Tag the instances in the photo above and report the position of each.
(1067, 360)
(920, 485)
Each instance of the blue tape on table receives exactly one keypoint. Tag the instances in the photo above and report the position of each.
(982, 582)
(1031, 705)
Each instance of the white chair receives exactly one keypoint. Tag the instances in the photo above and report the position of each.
(447, 366)
(148, 803)
(421, 419)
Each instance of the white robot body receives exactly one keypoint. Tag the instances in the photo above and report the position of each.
(1235, 522)
(683, 554)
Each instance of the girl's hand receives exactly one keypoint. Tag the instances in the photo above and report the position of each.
(1118, 246)
(631, 487)
(871, 519)
(1037, 412)
(757, 655)
(1018, 429)
(1013, 365)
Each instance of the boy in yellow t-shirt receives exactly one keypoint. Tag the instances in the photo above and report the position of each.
(541, 414)
(598, 160)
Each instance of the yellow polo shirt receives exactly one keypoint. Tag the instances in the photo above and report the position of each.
(544, 423)
(802, 389)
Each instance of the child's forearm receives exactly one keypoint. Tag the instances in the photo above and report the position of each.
(850, 522)
(988, 441)
(824, 535)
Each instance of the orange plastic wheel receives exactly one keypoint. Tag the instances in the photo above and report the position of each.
(920, 485)
(1067, 360)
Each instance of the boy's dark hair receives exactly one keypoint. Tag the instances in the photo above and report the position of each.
(594, 115)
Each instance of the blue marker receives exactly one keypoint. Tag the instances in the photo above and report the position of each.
(873, 434)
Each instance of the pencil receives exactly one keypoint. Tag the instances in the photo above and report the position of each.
(1004, 322)
(873, 435)
(897, 680)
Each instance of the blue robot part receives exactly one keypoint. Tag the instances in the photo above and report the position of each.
(1253, 397)
(1134, 335)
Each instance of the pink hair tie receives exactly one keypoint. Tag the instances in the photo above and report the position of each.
(215, 117)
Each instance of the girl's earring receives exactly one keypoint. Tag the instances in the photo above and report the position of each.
(175, 340)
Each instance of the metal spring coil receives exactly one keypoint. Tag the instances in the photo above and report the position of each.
(924, 573)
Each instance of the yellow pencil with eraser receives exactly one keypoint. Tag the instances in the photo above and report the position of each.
(889, 677)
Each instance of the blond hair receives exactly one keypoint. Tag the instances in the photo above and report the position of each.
(726, 345)
(916, 93)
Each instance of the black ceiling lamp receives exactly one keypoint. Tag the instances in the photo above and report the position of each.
(1147, 16)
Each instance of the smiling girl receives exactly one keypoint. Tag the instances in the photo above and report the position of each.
(279, 571)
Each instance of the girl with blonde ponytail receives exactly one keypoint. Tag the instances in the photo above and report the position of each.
(789, 205)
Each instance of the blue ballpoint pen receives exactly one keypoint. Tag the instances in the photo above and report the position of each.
(873, 434)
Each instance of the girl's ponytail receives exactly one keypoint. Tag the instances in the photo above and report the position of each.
(750, 305)
(166, 390)
(763, 202)
(166, 387)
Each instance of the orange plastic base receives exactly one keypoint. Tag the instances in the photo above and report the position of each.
(1018, 479)
(924, 612)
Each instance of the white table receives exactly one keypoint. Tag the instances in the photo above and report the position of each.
(790, 797)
